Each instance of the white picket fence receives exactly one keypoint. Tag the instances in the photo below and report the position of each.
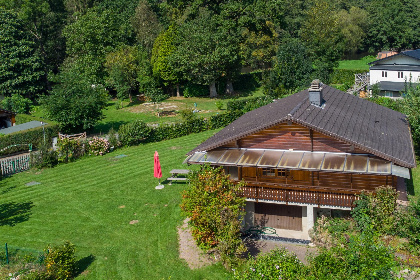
(15, 164)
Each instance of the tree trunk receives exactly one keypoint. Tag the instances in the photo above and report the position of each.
(213, 91)
(178, 94)
(229, 88)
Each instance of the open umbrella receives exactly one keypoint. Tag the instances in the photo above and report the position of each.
(158, 170)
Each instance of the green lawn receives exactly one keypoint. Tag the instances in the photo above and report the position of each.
(82, 202)
(114, 117)
(413, 184)
(360, 64)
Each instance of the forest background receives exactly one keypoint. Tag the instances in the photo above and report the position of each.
(71, 54)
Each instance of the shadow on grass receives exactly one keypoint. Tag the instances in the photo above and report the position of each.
(83, 264)
(6, 190)
(13, 213)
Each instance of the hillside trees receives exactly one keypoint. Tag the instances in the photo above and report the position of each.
(291, 70)
(44, 21)
(393, 25)
(75, 103)
(21, 69)
(321, 34)
(123, 67)
(207, 49)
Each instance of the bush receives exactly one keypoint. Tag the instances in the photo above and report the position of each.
(219, 104)
(187, 114)
(377, 211)
(133, 133)
(248, 104)
(60, 261)
(156, 94)
(17, 103)
(98, 146)
(276, 264)
(194, 90)
(215, 209)
(113, 138)
(344, 76)
(70, 150)
(361, 256)
(44, 157)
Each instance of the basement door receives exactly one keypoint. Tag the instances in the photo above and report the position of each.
(278, 216)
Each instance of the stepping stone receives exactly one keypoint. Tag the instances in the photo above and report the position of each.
(120, 156)
(33, 183)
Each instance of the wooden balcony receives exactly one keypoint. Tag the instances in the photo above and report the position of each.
(301, 194)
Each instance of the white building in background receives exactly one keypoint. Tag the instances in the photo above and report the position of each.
(393, 73)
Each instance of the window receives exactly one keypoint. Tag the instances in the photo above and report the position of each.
(388, 94)
(269, 172)
(400, 75)
(384, 74)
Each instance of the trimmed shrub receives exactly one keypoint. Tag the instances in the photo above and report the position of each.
(60, 261)
(248, 104)
(133, 133)
(344, 76)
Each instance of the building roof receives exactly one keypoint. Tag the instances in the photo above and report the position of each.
(412, 53)
(364, 124)
(20, 127)
(398, 67)
(4, 112)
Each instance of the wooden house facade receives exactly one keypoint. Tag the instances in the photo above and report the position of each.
(309, 153)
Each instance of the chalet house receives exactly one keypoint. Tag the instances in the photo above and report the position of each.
(309, 154)
(393, 73)
(7, 118)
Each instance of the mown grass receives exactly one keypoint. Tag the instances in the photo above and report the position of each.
(114, 118)
(360, 64)
(90, 202)
(413, 185)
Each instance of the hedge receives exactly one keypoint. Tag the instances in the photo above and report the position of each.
(33, 136)
(344, 76)
(175, 130)
(248, 104)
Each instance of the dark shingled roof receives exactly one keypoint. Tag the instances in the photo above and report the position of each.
(369, 126)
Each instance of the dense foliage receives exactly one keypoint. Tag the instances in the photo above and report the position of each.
(215, 209)
(76, 103)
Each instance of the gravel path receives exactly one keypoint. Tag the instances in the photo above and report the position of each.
(195, 258)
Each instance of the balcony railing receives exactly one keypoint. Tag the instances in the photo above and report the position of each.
(301, 194)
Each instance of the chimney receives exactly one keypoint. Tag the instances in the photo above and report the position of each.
(315, 93)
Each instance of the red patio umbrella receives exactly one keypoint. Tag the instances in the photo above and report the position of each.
(157, 169)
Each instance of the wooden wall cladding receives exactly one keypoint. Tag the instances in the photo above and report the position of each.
(292, 136)
(319, 179)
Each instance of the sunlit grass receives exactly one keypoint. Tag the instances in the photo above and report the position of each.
(90, 202)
